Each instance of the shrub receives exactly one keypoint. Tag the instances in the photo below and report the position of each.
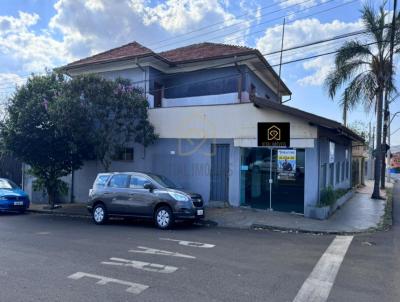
(327, 197)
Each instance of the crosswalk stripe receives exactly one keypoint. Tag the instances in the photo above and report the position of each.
(318, 285)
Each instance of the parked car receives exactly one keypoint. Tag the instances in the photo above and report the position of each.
(12, 198)
(142, 195)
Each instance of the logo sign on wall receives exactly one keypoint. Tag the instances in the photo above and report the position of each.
(273, 134)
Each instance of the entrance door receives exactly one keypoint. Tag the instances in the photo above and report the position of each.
(288, 188)
(255, 174)
(219, 172)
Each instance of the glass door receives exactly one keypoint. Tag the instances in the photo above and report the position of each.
(287, 174)
(288, 167)
(255, 170)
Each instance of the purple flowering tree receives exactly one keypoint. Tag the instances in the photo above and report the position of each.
(47, 130)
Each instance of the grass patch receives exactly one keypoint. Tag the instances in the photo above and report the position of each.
(387, 220)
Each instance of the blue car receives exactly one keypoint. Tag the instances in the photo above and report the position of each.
(12, 198)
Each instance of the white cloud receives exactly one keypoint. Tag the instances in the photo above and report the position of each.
(321, 67)
(26, 50)
(12, 77)
(81, 28)
(301, 32)
(88, 29)
(8, 83)
(300, 3)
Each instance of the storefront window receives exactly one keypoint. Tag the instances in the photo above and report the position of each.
(286, 169)
(343, 170)
(337, 172)
(331, 173)
(323, 176)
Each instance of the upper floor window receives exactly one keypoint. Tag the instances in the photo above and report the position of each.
(158, 94)
(124, 154)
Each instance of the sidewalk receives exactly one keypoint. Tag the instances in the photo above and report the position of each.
(359, 214)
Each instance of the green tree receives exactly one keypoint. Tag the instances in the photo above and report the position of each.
(365, 71)
(47, 130)
(118, 112)
(361, 128)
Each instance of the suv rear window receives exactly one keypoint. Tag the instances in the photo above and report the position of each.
(101, 180)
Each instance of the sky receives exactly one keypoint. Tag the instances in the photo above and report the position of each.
(36, 35)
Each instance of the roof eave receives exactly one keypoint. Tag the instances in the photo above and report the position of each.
(312, 118)
(282, 84)
(127, 58)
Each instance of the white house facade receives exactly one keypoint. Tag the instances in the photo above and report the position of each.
(207, 102)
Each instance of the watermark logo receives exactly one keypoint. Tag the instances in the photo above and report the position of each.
(198, 130)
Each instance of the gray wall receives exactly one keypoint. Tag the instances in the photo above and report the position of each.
(311, 190)
(341, 145)
(186, 162)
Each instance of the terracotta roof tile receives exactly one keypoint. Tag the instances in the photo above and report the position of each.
(192, 52)
(203, 51)
(129, 50)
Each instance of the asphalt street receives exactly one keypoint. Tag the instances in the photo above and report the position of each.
(56, 258)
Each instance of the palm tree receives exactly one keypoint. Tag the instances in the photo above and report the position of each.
(364, 69)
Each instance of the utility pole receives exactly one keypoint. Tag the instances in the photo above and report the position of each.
(386, 114)
(370, 156)
(280, 61)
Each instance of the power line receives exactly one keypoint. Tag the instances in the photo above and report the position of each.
(335, 38)
(323, 11)
(296, 19)
(242, 22)
(28, 74)
(217, 23)
(284, 63)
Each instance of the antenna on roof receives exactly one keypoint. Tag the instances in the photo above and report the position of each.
(280, 62)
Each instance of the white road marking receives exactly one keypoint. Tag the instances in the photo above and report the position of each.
(191, 243)
(150, 267)
(318, 285)
(148, 250)
(43, 233)
(134, 288)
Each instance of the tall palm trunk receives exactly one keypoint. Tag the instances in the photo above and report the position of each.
(384, 136)
(378, 154)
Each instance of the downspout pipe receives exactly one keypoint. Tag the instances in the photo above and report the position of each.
(145, 75)
(145, 92)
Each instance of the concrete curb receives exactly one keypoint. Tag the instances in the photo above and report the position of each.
(211, 223)
(58, 213)
(314, 232)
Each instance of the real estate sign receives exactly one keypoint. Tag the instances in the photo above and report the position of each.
(286, 164)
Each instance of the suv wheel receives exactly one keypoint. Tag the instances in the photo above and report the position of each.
(164, 217)
(99, 214)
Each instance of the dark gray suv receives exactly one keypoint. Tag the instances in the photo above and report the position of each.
(142, 195)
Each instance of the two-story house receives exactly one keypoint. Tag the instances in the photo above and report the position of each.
(206, 102)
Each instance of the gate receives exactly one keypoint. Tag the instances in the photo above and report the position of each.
(219, 172)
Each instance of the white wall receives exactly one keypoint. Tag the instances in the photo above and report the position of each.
(237, 121)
